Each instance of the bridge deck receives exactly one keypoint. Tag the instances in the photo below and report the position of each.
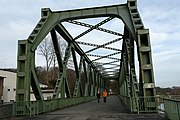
(112, 110)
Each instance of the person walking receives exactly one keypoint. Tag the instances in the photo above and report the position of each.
(98, 96)
(104, 95)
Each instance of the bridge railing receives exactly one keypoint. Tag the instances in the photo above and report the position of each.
(37, 107)
(169, 105)
(127, 101)
(172, 108)
(140, 104)
(6, 110)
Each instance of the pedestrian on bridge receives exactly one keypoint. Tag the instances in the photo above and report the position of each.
(104, 95)
(98, 96)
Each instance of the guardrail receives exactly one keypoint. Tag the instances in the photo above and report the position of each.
(37, 107)
(6, 110)
(170, 105)
(172, 108)
(141, 104)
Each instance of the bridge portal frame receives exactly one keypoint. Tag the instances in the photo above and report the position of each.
(51, 22)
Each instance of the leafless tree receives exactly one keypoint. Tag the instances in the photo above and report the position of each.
(46, 50)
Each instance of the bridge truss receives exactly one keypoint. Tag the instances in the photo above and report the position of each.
(118, 65)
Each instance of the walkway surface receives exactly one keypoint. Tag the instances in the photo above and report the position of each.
(112, 110)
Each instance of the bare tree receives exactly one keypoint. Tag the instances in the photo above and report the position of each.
(46, 49)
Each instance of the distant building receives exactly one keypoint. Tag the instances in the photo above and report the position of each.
(1, 87)
(47, 94)
(8, 87)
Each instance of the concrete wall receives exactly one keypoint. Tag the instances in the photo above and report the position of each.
(9, 90)
(47, 94)
(6, 110)
(1, 87)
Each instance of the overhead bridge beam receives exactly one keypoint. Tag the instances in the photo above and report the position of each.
(94, 27)
(95, 45)
(97, 28)
(112, 68)
(107, 56)
(108, 63)
(103, 45)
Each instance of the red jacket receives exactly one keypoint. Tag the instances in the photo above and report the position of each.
(104, 94)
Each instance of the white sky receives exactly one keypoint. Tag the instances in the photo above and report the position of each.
(19, 17)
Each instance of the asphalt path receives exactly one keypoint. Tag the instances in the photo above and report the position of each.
(113, 109)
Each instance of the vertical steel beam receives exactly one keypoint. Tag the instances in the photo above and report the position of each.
(89, 79)
(124, 79)
(92, 83)
(75, 62)
(57, 50)
(98, 81)
(86, 91)
(133, 85)
(23, 78)
(133, 79)
(128, 82)
(95, 82)
(62, 86)
(78, 88)
(34, 81)
(146, 80)
(147, 85)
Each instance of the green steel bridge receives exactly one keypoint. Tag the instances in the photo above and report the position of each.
(119, 64)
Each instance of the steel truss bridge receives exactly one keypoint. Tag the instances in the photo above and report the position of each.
(119, 64)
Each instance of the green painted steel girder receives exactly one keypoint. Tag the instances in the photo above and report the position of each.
(57, 50)
(95, 73)
(106, 56)
(92, 26)
(103, 45)
(98, 46)
(50, 19)
(108, 63)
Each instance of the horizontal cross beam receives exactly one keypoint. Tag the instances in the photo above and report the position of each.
(111, 67)
(108, 63)
(103, 45)
(93, 27)
(107, 56)
(95, 45)
(98, 28)
(113, 70)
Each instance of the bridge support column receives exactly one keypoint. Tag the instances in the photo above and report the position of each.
(146, 80)
(23, 80)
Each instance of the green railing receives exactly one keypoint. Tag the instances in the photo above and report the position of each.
(172, 108)
(169, 106)
(6, 110)
(37, 107)
(140, 104)
(147, 104)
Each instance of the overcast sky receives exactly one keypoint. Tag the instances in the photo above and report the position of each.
(19, 17)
